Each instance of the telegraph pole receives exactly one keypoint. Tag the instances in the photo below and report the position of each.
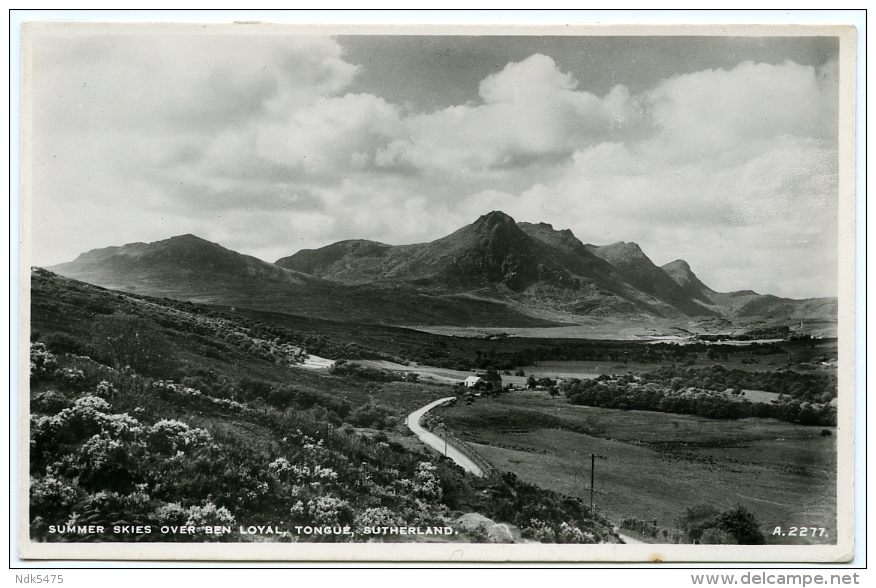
(592, 475)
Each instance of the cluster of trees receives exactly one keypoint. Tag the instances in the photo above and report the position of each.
(364, 372)
(706, 524)
(606, 392)
(805, 387)
(499, 356)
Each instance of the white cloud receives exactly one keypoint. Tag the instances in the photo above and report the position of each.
(330, 134)
(718, 112)
(529, 109)
(252, 142)
(180, 80)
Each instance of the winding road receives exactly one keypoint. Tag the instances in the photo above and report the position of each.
(436, 442)
(627, 539)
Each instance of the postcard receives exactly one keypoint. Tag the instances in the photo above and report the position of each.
(444, 294)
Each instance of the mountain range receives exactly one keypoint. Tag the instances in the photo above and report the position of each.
(493, 272)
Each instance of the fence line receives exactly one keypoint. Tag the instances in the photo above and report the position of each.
(463, 447)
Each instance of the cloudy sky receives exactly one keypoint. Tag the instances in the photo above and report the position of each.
(720, 151)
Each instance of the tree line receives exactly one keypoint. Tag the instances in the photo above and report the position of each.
(627, 394)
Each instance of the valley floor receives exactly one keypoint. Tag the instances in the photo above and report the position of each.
(655, 464)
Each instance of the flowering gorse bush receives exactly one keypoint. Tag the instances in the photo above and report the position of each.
(100, 451)
(209, 514)
(167, 389)
(87, 417)
(105, 390)
(280, 465)
(168, 436)
(324, 474)
(426, 482)
(43, 364)
(571, 534)
(51, 495)
(325, 510)
(378, 517)
(49, 401)
(540, 531)
(173, 513)
(72, 378)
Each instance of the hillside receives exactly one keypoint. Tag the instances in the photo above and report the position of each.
(193, 269)
(638, 270)
(495, 257)
(155, 412)
(183, 261)
(492, 251)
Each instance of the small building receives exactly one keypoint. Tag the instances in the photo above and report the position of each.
(471, 381)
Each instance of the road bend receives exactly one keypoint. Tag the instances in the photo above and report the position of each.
(436, 442)
(627, 539)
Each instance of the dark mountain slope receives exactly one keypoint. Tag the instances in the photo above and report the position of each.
(681, 274)
(348, 262)
(638, 270)
(493, 272)
(563, 239)
(493, 257)
(193, 269)
(185, 261)
(787, 308)
(491, 251)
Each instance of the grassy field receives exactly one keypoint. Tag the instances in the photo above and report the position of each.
(658, 464)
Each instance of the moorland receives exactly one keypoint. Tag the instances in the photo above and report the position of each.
(182, 383)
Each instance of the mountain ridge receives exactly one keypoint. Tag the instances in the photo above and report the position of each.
(494, 265)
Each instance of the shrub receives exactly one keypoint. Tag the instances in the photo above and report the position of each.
(72, 379)
(370, 415)
(171, 513)
(43, 364)
(50, 497)
(324, 510)
(572, 534)
(737, 523)
(713, 536)
(168, 436)
(742, 525)
(378, 517)
(49, 402)
(539, 530)
(132, 342)
(64, 343)
(697, 519)
(106, 463)
(426, 482)
(105, 390)
(209, 514)
(356, 370)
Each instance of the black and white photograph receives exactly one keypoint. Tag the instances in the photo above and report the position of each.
(338, 293)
